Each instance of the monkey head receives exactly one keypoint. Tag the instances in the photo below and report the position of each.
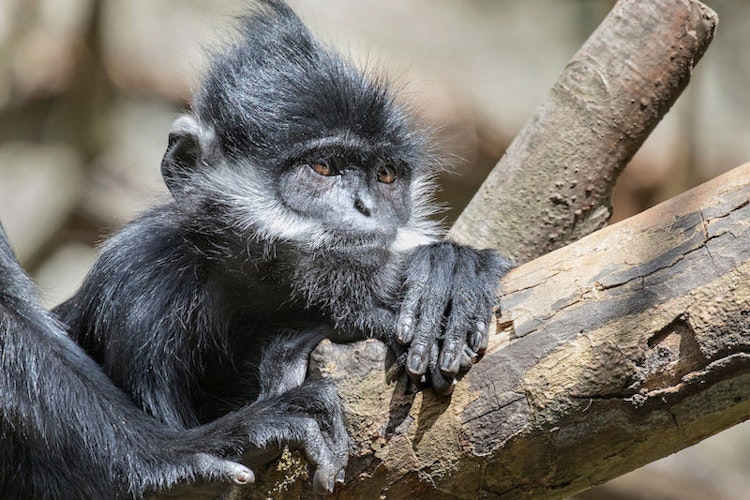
(299, 146)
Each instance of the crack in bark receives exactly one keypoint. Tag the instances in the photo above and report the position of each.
(707, 238)
(495, 409)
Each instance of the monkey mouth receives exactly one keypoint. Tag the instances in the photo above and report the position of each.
(360, 249)
(360, 242)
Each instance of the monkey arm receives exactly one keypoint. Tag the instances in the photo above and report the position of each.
(142, 311)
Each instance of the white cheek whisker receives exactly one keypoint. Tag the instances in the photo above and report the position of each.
(256, 210)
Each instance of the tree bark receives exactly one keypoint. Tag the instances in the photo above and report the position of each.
(609, 353)
(555, 181)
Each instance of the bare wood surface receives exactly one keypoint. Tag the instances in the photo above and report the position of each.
(609, 353)
(555, 181)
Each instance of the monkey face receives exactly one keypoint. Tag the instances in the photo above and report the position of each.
(363, 200)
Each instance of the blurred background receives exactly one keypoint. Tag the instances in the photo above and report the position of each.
(89, 88)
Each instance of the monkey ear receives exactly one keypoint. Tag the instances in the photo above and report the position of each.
(188, 144)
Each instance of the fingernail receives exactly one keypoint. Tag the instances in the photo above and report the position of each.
(403, 333)
(244, 477)
(340, 476)
(447, 361)
(415, 362)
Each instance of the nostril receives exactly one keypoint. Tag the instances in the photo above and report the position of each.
(363, 209)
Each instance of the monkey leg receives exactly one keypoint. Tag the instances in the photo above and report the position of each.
(290, 410)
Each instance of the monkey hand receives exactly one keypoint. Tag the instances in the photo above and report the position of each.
(449, 293)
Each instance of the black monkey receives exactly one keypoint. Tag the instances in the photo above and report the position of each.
(301, 195)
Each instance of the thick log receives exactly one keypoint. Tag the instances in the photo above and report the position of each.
(555, 181)
(609, 353)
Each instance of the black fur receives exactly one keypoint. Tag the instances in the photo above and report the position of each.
(282, 89)
(301, 201)
(66, 431)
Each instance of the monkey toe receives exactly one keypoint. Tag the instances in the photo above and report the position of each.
(212, 468)
(441, 384)
(324, 453)
(324, 480)
(323, 436)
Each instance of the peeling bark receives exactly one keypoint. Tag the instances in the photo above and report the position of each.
(555, 181)
(609, 353)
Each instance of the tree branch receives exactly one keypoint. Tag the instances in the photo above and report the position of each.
(609, 353)
(555, 181)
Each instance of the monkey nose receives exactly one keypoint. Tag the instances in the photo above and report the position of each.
(363, 207)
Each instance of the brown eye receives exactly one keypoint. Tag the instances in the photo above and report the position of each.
(322, 169)
(386, 174)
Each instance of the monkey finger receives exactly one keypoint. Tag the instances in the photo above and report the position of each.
(450, 356)
(417, 361)
(423, 350)
(427, 290)
(327, 475)
(241, 476)
(428, 357)
(477, 339)
(411, 308)
(319, 455)
(480, 337)
(407, 316)
(415, 282)
(482, 341)
(324, 480)
(454, 343)
(404, 326)
(468, 358)
(419, 356)
(425, 340)
(332, 428)
(339, 442)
